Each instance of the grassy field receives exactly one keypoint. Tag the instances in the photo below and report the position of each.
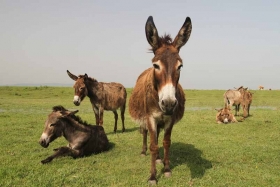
(203, 153)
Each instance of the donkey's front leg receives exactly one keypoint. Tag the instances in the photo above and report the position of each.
(158, 160)
(96, 113)
(166, 145)
(62, 151)
(101, 110)
(154, 152)
(96, 118)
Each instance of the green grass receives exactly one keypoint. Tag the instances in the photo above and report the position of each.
(203, 153)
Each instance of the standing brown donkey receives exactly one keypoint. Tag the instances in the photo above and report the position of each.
(103, 96)
(157, 100)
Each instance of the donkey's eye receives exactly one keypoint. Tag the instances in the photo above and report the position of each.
(81, 88)
(156, 66)
(180, 67)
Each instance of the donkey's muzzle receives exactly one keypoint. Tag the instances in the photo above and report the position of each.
(76, 100)
(168, 106)
(77, 103)
(43, 143)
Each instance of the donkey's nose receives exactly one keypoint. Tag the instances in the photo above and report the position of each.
(77, 103)
(43, 143)
(226, 121)
(168, 105)
(76, 100)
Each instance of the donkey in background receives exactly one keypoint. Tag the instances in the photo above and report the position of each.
(239, 96)
(157, 100)
(103, 96)
(225, 116)
(83, 139)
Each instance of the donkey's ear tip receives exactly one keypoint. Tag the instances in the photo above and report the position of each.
(188, 19)
(150, 18)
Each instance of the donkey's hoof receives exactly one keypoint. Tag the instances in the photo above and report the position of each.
(45, 161)
(167, 174)
(158, 161)
(152, 182)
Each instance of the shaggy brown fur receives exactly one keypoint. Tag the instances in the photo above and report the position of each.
(224, 115)
(157, 100)
(247, 98)
(84, 139)
(103, 96)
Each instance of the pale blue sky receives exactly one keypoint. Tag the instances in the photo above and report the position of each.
(233, 43)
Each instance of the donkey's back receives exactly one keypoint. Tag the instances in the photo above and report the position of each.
(232, 97)
(97, 142)
(114, 95)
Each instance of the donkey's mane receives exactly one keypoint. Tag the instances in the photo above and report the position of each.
(164, 40)
(59, 108)
(74, 117)
(89, 78)
(79, 120)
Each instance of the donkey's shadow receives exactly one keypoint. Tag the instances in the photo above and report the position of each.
(181, 153)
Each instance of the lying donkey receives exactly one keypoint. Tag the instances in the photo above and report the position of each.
(225, 116)
(83, 139)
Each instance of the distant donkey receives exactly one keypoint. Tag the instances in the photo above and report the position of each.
(240, 96)
(158, 100)
(103, 96)
(83, 139)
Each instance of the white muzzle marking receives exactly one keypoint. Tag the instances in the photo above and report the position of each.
(167, 92)
(76, 99)
(45, 137)
(167, 99)
(226, 120)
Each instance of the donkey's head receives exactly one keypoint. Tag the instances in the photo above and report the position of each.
(80, 87)
(54, 125)
(167, 62)
(224, 115)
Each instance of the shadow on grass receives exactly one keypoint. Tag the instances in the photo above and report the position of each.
(111, 146)
(126, 131)
(181, 153)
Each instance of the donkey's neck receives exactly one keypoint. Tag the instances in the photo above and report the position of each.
(72, 128)
(93, 86)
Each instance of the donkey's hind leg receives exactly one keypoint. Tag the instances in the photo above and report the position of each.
(116, 120)
(122, 116)
(144, 146)
(62, 151)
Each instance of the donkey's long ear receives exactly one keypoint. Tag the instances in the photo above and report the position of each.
(152, 34)
(74, 77)
(183, 35)
(67, 113)
(73, 112)
(85, 76)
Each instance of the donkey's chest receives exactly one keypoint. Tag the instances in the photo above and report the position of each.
(158, 120)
